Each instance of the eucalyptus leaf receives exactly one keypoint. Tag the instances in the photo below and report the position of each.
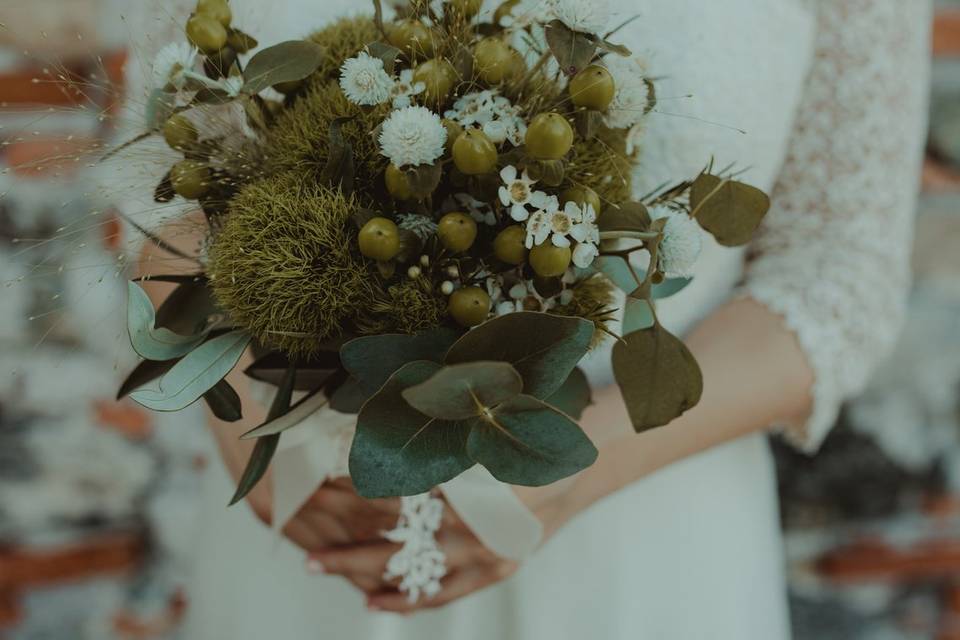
(224, 402)
(387, 53)
(144, 373)
(529, 443)
(195, 374)
(617, 270)
(637, 315)
(265, 448)
(188, 309)
(629, 216)
(312, 374)
(349, 396)
(574, 396)
(372, 359)
(339, 170)
(542, 347)
(573, 50)
(303, 409)
(730, 210)
(465, 390)
(659, 377)
(398, 451)
(147, 339)
(670, 287)
(285, 62)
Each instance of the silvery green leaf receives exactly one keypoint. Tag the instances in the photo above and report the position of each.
(285, 62)
(149, 341)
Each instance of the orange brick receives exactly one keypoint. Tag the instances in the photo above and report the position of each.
(946, 33)
(129, 419)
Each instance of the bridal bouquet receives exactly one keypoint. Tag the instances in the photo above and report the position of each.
(428, 222)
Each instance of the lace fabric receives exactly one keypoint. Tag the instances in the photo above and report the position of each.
(833, 255)
(420, 563)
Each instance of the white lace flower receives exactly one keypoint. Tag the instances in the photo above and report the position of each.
(587, 234)
(475, 108)
(171, 63)
(480, 211)
(585, 16)
(631, 100)
(517, 193)
(421, 225)
(499, 119)
(364, 81)
(412, 136)
(541, 224)
(682, 242)
(404, 89)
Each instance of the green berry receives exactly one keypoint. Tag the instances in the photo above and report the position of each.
(469, 306)
(219, 10)
(549, 261)
(190, 179)
(439, 77)
(592, 88)
(474, 153)
(582, 196)
(412, 37)
(509, 245)
(549, 137)
(380, 239)
(397, 183)
(457, 232)
(206, 33)
(180, 133)
(493, 60)
(453, 132)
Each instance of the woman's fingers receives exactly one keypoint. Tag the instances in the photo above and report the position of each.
(362, 519)
(455, 586)
(368, 559)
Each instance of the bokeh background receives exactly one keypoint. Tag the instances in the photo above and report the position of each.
(96, 496)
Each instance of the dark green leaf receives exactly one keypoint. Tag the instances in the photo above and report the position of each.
(350, 396)
(373, 359)
(573, 50)
(659, 377)
(189, 309)
(670, 287)
(148, 340)
(397, 451)
(387, 53)
(224, 402)
(629, 216)
(339, 170)
(529, 443)
(144, 373)
(465, 390)
(303, 409)
(164, 191)
(241, 42)
(574, 396)
(311, 374)
(543, 348)
(285, 62)
(423, 179)
(637, 315)
(729, 210)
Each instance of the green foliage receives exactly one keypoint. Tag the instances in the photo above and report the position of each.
(464, 390)
(285, 264)
(593, 300)
(574, 396)
(602, 164)
(148, 340)
(404, 307)
(285, 62)
(373, 359)
(340, 40)
(224, 402)
(728, 209)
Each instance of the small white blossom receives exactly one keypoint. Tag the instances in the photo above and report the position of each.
(171, 63)
(493, 113)
(232, 85)
(682, 242)
(404, 89)
(412, 136)
(585, 16)
(364, 80)
(587, 234)
(480, 211)
(631, 99)
(518, 194)
(422, 226)
(544, 221)
(584, 254)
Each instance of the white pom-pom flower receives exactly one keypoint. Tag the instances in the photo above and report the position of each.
(364, 80)
(171, 65)
(632, 99)
(585, 16)
(682, 242)
(404, 89)
(412, 136)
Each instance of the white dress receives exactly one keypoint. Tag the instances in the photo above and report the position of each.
(830, 98)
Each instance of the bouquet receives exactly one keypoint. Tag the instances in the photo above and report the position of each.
(426, 221)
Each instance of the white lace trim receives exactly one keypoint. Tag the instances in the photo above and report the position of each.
(833, 254)
(420, 564)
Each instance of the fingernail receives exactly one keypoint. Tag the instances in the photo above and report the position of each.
(314, 566)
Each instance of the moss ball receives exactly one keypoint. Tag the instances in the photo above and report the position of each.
(405, 307)
(285, 264)
(603, 165)
(340, 40)
(594, 299)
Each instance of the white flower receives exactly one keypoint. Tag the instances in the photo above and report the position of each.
(587, 234)
(232, 85)
(171, 63)
(405, 88)
(422, 226)
(682, 242)
(631, 100)
(493, 113)
(517, 193)
(480, 211)
(585, 16)
(549, 222)
(584, 254)
(364, 80)
(412, 136)
(634, 138)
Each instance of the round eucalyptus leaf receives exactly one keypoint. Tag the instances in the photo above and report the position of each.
(372, 359)
(466, 390)
(285, 62)
(574, 396)
(729, 210)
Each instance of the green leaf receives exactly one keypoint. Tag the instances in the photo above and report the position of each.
(670, 287)
(730, 210)
(529, 443)
(303, 409)
(312, 374)
(373, 359)
(542, 347)
(149, 341)
(573, 50)
(144, 373)
(626, 277)
(188, 309)
(339, 170)
(265, 448)
(574, 396)
(423, 179)
(659, 377)
(637, 315)
(465, 390)
(195, 374)
(398, 451)
(588, 122)
(387, 53)
(224, 402)
(628, 216)
(285, 62)
(350, 396)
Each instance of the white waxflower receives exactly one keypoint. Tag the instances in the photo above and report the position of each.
(404, 89)
(585, 16)
(473, 108)
(364, 81)
(550, 222)
(682, 242)
(587, 234)
(480, 211)
(494, 114)
(412, 136)
(422, 226)
(517, 193)
(631, 99)
(584, 254)
(171, 63)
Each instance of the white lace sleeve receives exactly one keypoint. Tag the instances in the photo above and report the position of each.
(833, 255)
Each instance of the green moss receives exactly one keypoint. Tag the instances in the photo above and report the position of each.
(593, 300)
(406, 307)
(285, 266)
(341, 40)
(603, 165)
